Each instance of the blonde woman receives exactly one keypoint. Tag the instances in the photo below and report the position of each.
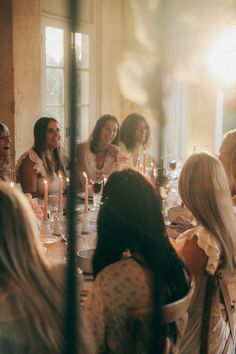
(31, 287)
(204, 189)
(228, 158)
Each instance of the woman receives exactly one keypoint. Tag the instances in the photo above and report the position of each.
(44, 161)
(134, 137)
(204, 190)
(100, 155)
(32, 318)
(130, 222)
(228, 158)
(7, 172)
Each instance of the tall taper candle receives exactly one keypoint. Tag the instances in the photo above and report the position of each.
(60, 193)
(86, 193)
(45, 204)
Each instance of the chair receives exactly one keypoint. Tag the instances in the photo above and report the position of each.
(139, 322)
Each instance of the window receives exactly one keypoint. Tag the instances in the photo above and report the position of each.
(55, 88)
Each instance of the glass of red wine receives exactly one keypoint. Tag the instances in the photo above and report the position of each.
(97, 193)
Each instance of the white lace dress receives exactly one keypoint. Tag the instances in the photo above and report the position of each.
(53, 182)
(219, 328)
(86, 162)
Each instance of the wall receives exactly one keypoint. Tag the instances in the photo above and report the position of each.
(26, 55)
(6, 68)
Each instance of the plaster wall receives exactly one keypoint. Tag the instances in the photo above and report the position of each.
(26, 56)
(6, 68)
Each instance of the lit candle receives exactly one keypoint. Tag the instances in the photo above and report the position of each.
(60, 193)
(45, 204)
(86, 193)
(152, 169)
(67, 180)
(12, 184)
(144, 161)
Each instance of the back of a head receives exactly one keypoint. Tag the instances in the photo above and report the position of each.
(228, 158)
(128, 129)
(18, 241)
(204, 189)
(129, 217)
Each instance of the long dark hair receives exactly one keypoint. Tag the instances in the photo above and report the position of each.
(130, 218)
(128, 130)
(96, 134)
(40, 132)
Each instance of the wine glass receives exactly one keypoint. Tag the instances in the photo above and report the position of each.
(164, 191)
(97, 185)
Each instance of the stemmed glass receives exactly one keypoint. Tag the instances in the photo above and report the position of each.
(97, 185)
(164, 191)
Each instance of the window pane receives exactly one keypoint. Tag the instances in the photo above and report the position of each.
(82, 92)
(82, 50)
(82, 115)
(54, 86)
(58, 114)
(54, 46)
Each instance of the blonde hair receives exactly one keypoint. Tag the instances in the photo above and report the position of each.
(229, 145)
(26, 273)
(204, 189)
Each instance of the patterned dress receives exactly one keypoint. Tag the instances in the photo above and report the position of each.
(119, 287)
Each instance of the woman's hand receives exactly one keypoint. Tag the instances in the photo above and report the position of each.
(115, 151)
(182, 224)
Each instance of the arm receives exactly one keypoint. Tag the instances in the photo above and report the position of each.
(28, 177)
(195, 259)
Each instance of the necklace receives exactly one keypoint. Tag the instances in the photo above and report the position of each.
(100, 159)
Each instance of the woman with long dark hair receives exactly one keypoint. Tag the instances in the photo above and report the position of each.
(134, 264)
(99, 155)
(135, 140)
(44, 160)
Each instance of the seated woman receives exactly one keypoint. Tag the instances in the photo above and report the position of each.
(134, 141)
(134, 264)
(228, 158)
(32, 288)
(43, 161)
(204, 189)
(100, 155)
(7, 172)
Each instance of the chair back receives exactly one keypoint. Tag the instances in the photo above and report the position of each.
(139, 322)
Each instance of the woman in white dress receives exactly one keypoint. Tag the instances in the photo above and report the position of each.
(134, 141)
(44, 161)
(100, 155)
(204, 190)
(32, 287)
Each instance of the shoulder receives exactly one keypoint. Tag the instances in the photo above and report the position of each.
(83, 147)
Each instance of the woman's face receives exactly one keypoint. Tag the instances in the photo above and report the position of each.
(5, 143)
(141, 132)
(108, 132)
(53, 135)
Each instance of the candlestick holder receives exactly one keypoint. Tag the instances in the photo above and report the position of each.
(85, 224)
(58, 225)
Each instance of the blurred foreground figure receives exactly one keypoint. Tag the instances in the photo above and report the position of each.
(134, 264)
(32, 318)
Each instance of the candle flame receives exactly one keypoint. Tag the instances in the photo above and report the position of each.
(67, 180)
(85, 175)
(11, 184)
(152, 164)
(45, 182)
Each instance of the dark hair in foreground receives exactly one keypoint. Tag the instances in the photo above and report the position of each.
(40, 132)
(128, 129)
(96, 134)
(130, 218)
